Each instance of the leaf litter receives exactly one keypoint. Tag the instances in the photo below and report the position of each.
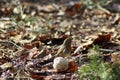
(27, 48)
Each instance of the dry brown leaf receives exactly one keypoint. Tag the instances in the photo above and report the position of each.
(33, 44)
(28, 46)
(19, 38)
(115, 57)
(117, 21)
(37, 77)
(59, 40)
(74, 9)
(43, 38)
(5, 11)
(102, 40)
(47, 9)
(56, 77)
(101, 12)
(4, 59)
(72, 66)
(32, 53)
(6, 65)
(12, 33)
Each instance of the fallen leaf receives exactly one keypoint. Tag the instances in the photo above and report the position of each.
(76, 8)
(44, 38)
(37, 77)
(115, 57)
(6, 65)
(117, 21)
(102, 40)
(48, 9)
(19, 38)
(12, 33)
(58, 40)
(5, 11)
(4, 59)
(72, 66)
(57, 77)
(101, 12)
(28, 46)
(37, 44)
(33, 44)
(32, 53)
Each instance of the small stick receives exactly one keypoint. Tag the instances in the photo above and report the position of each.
(107, 50)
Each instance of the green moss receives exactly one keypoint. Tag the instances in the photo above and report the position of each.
(97, 69)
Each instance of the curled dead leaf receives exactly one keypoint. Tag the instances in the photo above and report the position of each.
(32, 54)
(102, 39)
(72, 66)
(58, 40)
(71, 10)
(117, 21)
(4, 11)
(44, 38)
(20, 39)
(37, 77)
(6, 65)
(33, 44)
(115, 57)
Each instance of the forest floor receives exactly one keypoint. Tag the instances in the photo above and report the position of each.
(31, 32)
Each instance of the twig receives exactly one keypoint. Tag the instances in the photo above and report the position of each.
(103, 9)
(107, 50)
(11, 43)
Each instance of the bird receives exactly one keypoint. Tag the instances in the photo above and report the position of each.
(65, 49)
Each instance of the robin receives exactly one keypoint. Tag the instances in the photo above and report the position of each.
(65, 48)
(64, 51)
